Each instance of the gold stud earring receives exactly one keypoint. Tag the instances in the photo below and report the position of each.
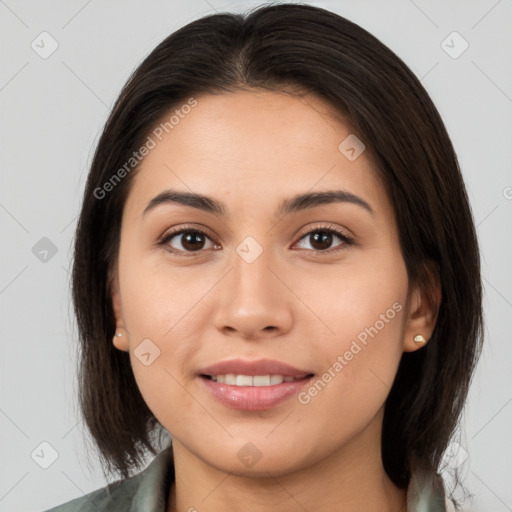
(419, 339)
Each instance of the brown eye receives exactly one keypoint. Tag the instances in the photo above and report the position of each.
(192, 240)
(187, 240)
(322, 239)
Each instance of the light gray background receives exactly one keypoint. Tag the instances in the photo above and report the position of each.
(52, 111)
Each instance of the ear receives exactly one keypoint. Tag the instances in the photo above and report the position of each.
(121, 342)
(424, 303)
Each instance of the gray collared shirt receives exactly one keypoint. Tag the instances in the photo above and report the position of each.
(148, 492)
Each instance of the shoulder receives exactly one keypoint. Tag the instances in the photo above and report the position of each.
(112, 497)
(146, 491)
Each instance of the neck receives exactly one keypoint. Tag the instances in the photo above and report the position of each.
(351, 479)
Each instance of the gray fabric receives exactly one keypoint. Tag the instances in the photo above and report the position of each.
(148, 492)
(145, 492)
(426, 493)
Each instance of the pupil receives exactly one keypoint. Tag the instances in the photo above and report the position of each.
(321, 237)
(192, 241)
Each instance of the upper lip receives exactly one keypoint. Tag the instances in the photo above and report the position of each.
(252, 368)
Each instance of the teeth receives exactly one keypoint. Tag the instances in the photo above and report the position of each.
(261, 380)
(249, 380)
(276, 379)
(243, 380)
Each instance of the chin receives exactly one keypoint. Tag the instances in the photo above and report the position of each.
(257, 459)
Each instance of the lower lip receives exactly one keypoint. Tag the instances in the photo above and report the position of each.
(253, 398)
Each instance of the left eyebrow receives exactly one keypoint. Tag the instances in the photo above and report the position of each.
(291, 205)
(312, 199)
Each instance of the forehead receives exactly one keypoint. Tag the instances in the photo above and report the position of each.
(252, 147)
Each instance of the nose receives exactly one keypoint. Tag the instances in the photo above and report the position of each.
(253, 301)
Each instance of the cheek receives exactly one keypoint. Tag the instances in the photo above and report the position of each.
(362, 311)
(359, 365)
(159, 301)
(160, 312)
(162, 322)
(362, 300)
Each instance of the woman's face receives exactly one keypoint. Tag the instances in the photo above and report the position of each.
(318, 285)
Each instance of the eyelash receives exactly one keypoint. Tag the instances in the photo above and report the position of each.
(329, 229)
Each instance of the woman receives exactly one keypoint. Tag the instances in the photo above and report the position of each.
(276, 264)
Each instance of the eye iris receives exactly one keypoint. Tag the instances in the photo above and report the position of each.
(324, 238)
(192, 241)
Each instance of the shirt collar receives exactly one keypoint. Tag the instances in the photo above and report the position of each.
(155, 482)
(424, 494)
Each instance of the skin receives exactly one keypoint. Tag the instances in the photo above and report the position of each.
(250, 150)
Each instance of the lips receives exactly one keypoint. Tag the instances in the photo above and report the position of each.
(253, 385)
(252, 368)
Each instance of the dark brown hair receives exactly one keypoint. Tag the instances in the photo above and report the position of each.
(315, 50)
